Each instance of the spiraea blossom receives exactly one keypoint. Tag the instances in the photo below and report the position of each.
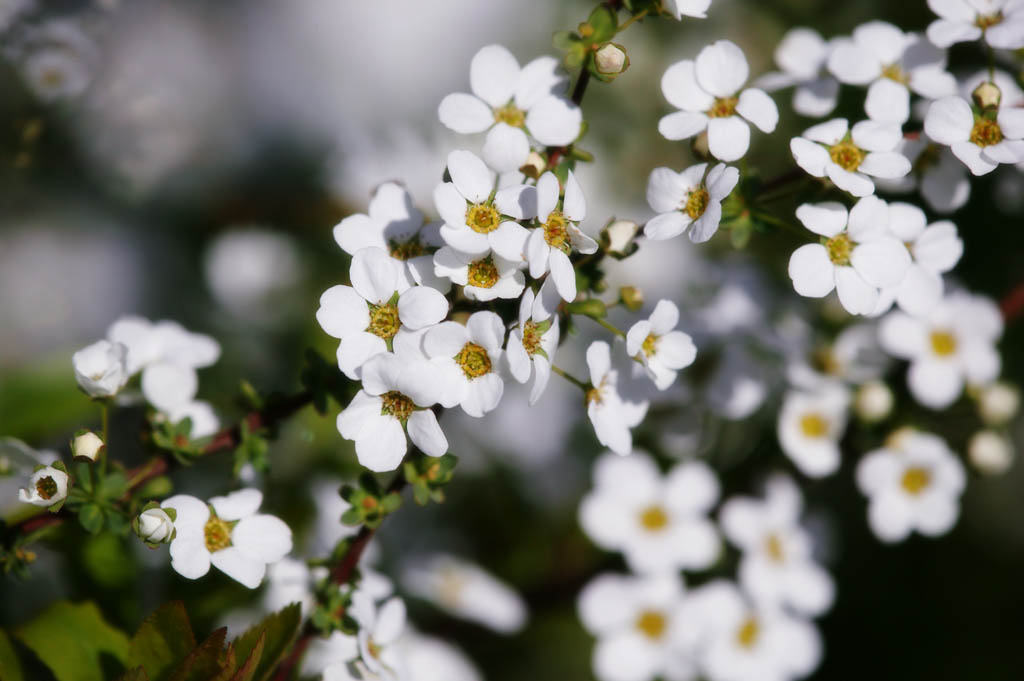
(101, 369)
(913, 484)
(999, 22)
(376, 313)
(46, 487)
(549, 245)
(950, 346)
(636, 622)
(851, 157)
(691, 199)
(659, 522)
(482, 277)
(531, 346)
(657, 344)
(470, 360)
(801, 56)
(777, 567)
(708, 92)
(395, 225)
(691, 8)
(810, 426)
(379, 631)
(892, 64)
(611, 414)
(982, 139)
(935, 172)
(857, 257)
(512, 104)
(227, 533)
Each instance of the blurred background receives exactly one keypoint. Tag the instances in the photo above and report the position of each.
(187, 160)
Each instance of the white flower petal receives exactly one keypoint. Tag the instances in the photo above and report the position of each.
(505, 148)
(882, 262)
(554, 121)
(239, 567)
(574, 204)
(855, 183)
(852, 64)
(721, 69)
(679, 85)
(949, 121)
(374, 275)
(237, 505)
(421, 306)
(426, 433)
(263, 538)
(810, 156)
(356, 349)
(381, 444)
(493, 74)
(465, 113)
(682, 125)
(728, 138)
(812, 272)
(855, 294)
(471, 176)
(827, 218)
(758, 108)
(518, 201)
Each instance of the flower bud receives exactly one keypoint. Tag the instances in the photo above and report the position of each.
(618, 236)
(47, 486)
(990, 452)
(873, 401)
(998, 403)
(86, 446)
(534, 166)
(897, 439)
(611, 59)
(987, 95)
(101, 369)
(631, 297)
(155, 526)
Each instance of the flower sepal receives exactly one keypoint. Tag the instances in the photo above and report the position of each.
(368, 502)
(428, 475)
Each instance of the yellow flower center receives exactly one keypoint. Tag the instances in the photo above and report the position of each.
(846, 155)
(984, 21)
(474, 360)
(556, 233)
(894, 72)
(384, 321)
(217, 534)
(46, 487)
(985, 133)
(594, 396)
(723, 106)
(773, 547)
(943, 343)
(406, 250)
(52, 78)
(650, 345)
(531, 338)
(654, 518)
(652, 624)
(813, 425)
(396, 404)
(482, 218)
(839, 248)
(482, 273)
(697, 202)
(748, 633)
(915, 480)
(510, 115)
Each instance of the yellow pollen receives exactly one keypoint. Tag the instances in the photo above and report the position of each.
(46, 487)
(650, 345)
(374, 649)
(531, 338)
(654, 518)
(985, 133)
(384, 321)
(839, 248)
(396, 404)
(217, 534)
(748, 633)
(652, 624)
(482, 218)
(915, 480)
(943, 343)
(773, 547)
(894, 72)
(846, 155)
(474, 360)
(406, 250)
(723, 106)
(510, 115)
(594, 396)
(482, 273)
(697, 202)
(52, 78)
(813, 425)
(984, 21)
(556, 233)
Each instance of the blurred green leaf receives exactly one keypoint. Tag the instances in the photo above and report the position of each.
(70, 638)
(90, 516)
(205, 662)
(105, 557)
(604, 22)
(248, 669)
(163, 640)
(10, 667)
(274, 636)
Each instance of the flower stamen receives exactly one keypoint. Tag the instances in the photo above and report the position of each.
(652, 624)
(915, 480)
(217, 534)
(483, 273)
(846, 155)
(474, 360)
(482, 218)
(396, 404)
(839, 248)
(384, 321)
(697, 202)
(723, 107)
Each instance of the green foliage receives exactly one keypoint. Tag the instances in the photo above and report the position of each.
(368, 502)
(262, 647)
(107, 560)
(428, 475)
(10, 666)
(325, 381)
(71, 638)
(176, 439)
(163, 640)
(253, 449)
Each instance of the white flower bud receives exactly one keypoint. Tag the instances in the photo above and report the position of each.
(873, 401)
(155, 526)
(47, 486)
(87, 446)
(998, 403)
(990, 452)
(101, 368)
(619, 235)
(610, 59)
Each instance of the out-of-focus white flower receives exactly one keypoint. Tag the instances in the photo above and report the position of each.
(86, 446)
(801, 56)
(232, 536)
(509, 101)
(953, 344)
(469, 357)
(851, 157)
(101, 369)
(778, 567)
(707, 90)
(466, 590)
(873, 401)
(336, 655)
(914, 487)
(431, 659)
(531, 347)
(611, 414)
(858, 257)
(810, 426)
(620, 235)
(691, 8)
(935, 171)
(893, 64)
(249, 269)
(60, 60)
(204, 419)
(998, 403)
(290, 581)
(691, 199)
(656, 343)
(981, 142)
(549, 246)
(10, 9)
(379, 631)
(636, 622)
(376, 311)
(990, 452)
(999, 22)
(658, 522)
(46, 487)
(155, 526)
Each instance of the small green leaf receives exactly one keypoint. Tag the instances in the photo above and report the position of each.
(137, 674)
(10, 667)
(205, 661)
(591, 307)
(113, 486)
(91, 518)
(274, 635)
(247, 670)
(605, 22)
(70, 638)
(163, 640)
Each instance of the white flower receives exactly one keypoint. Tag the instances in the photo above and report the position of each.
(531, 347)
(952, 344)
(336, 657)
(483, 277)
(810, 426)
(934, 249)
(777, 567)
(395, 225)
(56, 72)
(101, 369)
(201, 414)
(610, 413)
(660, 348)
(155, 526)
(1000, 22)
(227, 533)
(873, 401)
(375, 312)
(636, 622)
(466, 590)
(549, 246)
(739, 641)
(980, 141)
(509, 101)
(395, 399)
(706, 91)
(801, 55)
(431, 659)
(250, 270)
(86, 446)
(688, 199)
(46, 487)
(379, 631)
(848, 157)
(691, 8)
(998, 403)
(894, 63)
(941, 178)
(990, 452)
(619, 235)
(470, 359)
(658, 522)
(858, 257)
(916, 486)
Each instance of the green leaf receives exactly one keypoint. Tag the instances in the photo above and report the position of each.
(107, 561)
(275, 635)
(206, 661)
(564, 40)
(113, 486)
(137, 674)
(10, 667)
(248, 669)
(91, 518)
(70, 639)
(163, 640)
(605, 22)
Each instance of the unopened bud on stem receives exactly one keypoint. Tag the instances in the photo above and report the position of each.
(86, 446)
(611, 59)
